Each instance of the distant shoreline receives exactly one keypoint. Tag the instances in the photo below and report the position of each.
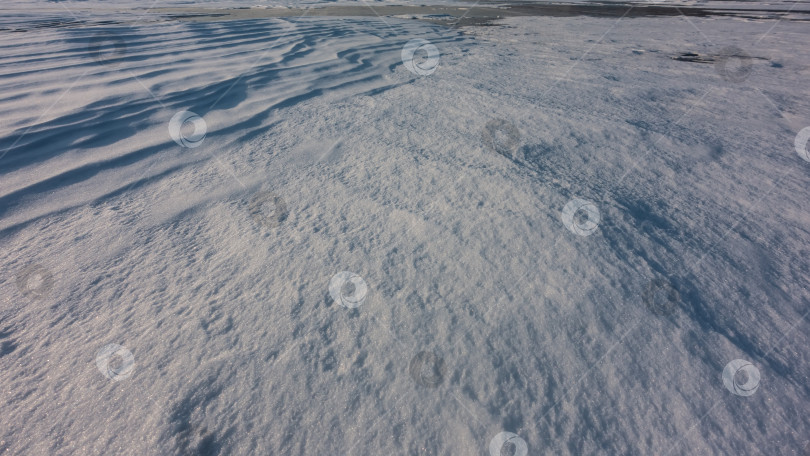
(458, 15)
(484, 13)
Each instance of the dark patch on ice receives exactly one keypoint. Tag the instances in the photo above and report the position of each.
(693, 57)
(441, 17)
(733, 64)
(641, 125)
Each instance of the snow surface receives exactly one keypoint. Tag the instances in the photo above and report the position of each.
(122, 236)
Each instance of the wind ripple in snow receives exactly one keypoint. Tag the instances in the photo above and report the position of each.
(126, 83)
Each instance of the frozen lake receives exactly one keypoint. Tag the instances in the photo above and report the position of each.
(384, 228)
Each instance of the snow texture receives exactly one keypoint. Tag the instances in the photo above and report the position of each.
(165, 299)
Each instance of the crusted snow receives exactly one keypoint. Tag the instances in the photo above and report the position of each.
(238, 346)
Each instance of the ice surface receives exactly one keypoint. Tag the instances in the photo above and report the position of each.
(479, 315)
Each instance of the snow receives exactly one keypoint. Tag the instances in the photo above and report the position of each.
(166, 299)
